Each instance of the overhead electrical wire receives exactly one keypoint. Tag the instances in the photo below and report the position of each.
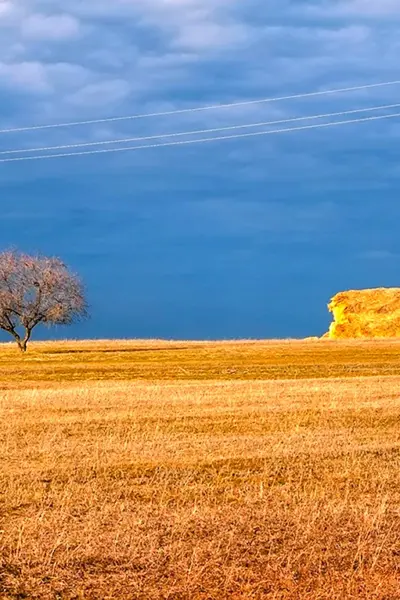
(202, 108)
(202, 140)
(199, 131)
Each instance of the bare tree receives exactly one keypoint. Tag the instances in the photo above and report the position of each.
(37, 290)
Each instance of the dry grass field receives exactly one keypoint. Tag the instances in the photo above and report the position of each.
(271, 470)
(65, 362)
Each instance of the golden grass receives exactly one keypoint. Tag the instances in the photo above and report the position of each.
(200, 490)
(371, 313)
(160, 360)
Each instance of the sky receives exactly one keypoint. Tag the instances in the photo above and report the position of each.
(241, 238)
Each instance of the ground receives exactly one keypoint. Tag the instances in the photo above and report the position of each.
(154, 470)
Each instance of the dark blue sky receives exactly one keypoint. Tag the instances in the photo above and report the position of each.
(239, 238)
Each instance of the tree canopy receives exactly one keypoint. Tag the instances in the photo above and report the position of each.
(37, 290)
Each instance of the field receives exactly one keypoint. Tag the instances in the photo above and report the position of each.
(156, 470)
(65, 362)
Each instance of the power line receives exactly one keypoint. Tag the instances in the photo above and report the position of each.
(199, 131)
(201, 140)
(202, 108)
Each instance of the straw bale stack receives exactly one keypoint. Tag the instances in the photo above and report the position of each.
(370, 313)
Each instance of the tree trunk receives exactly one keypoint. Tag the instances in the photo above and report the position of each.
(22, 344)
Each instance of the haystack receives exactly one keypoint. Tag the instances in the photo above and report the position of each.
(372, 313)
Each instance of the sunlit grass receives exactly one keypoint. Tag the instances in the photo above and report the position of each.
(201, 490)
(210, 488)
(160, 360)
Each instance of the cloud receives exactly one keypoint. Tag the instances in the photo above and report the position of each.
(67, 76)
(188, 24)
(102, 93)
(50, 27)
(367, 8)
(35, 77)
(140, 56)
(6, 8)
(207, 36)
(27, 76)
(118, 62)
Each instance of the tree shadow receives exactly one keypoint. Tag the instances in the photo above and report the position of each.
(118, 351)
